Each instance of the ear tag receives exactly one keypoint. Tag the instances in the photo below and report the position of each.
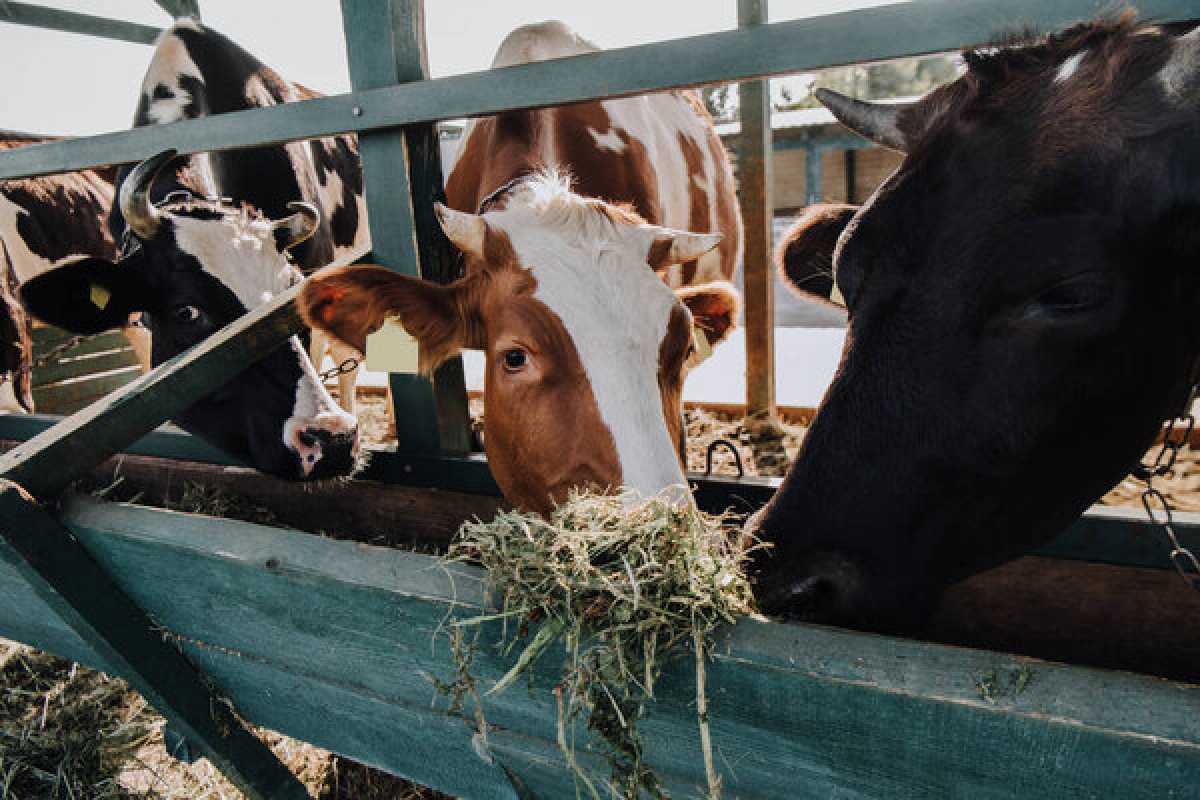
(391, 349)
(700, 342)
(836, 296)
(100, 296)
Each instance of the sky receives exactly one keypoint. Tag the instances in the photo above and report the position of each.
(67, 84)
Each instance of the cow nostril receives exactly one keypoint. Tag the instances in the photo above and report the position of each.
(307, 438)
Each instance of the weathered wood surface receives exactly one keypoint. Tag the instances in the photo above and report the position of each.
(755, 182)
(79, 375)
(872, 34)
(81, 598)
(50, 461)
(330, 641)
(71, 22)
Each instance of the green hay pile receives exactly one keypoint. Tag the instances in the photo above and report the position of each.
(625, 590)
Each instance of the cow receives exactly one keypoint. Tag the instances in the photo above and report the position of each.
(16, 357)
(193, 263)
(44, 222)
(571, 223)
(804, 255)
(1021, 296)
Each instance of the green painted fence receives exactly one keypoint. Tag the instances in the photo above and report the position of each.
(332, 642)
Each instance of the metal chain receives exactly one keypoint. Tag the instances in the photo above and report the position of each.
(349, 365)
(1158, 509)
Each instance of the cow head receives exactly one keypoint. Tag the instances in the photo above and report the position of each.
(197, 266)
(586, 347)
(1022, 316)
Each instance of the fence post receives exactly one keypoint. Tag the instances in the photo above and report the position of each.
(756, 182)
(385, 45)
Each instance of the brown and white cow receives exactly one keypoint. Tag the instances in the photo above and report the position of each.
(571, 221)
(44, 223)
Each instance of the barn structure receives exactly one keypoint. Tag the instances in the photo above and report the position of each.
(220, 623)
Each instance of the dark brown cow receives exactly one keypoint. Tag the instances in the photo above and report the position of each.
(804, 256)
(1022, 295)
(563, 219)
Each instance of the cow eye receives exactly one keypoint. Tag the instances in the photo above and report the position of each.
(187, 314)
(1072, 296)
(515, 359)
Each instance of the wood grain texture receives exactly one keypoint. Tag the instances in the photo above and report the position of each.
(79, 596)
(332, 640)
(894, 31)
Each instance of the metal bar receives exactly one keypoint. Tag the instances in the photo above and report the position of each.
(812, 174)
(71, 22)
(65, 577)
(756, 185)
(385, 45)
(180, 8)
(886, 32)
(50, 461)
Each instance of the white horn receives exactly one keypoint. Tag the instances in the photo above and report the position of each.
(875, 121)
(684, 246)
(467, 231)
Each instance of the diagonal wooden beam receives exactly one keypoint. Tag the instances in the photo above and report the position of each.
(50, 461)
(62, 573)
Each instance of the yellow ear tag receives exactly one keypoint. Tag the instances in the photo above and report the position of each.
(100, 296)
(391, 349)
(836, 296)
(700, 342)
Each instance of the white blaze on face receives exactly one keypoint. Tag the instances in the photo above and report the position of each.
(616, 312)
(240, 252)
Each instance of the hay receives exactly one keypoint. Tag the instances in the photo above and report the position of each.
(625, 590)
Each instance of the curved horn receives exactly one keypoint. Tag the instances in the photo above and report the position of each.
(466, 231)
(294, 229)
(875, 121)
(140, 214)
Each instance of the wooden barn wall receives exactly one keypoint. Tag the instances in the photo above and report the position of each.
(872, 166)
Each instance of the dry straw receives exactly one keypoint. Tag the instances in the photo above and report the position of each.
(625, 589)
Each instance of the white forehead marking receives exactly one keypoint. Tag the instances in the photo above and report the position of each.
(240, 253)
(609, 140)
(616, 311)
(1069, 67)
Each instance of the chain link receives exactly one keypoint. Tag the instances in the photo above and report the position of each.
(349, 365)
(1158, 509)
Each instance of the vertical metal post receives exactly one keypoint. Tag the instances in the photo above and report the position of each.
(402, 176)
(812, 174)
(756, 180)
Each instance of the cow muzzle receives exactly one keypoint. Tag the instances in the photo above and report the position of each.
(325, 446)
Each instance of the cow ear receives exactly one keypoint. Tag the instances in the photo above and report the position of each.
(670, 247)
(86, 296)
(350, 303)
(714, 306)
(804, 256)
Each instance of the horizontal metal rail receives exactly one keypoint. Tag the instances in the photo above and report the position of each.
(72, 22)
(875, 34)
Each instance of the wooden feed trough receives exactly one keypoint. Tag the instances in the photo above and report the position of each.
(332, 641)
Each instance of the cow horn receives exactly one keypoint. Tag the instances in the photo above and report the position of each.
(678, 247)
(299, 226)
(140, 214)
(467, 231)
(878, 122)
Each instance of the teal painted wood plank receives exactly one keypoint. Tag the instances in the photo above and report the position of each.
(385, 45)
(80, 595)
(50, 461)
(164, 442)
(797, 711)
(81, 365)
(71, 22)
(785, 47)
(69, 396)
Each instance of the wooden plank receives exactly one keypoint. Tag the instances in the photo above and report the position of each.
(385, 44)
(851, 37)
(332, 640)
(69, 396)
(50, 461)
(166, 441)
(46, 337)
(71, 22)
(81, 365)
(80, 595)
(755, 181)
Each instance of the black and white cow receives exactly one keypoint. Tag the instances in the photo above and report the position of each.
(196, 265)
(44, 222)
(1022, 295)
